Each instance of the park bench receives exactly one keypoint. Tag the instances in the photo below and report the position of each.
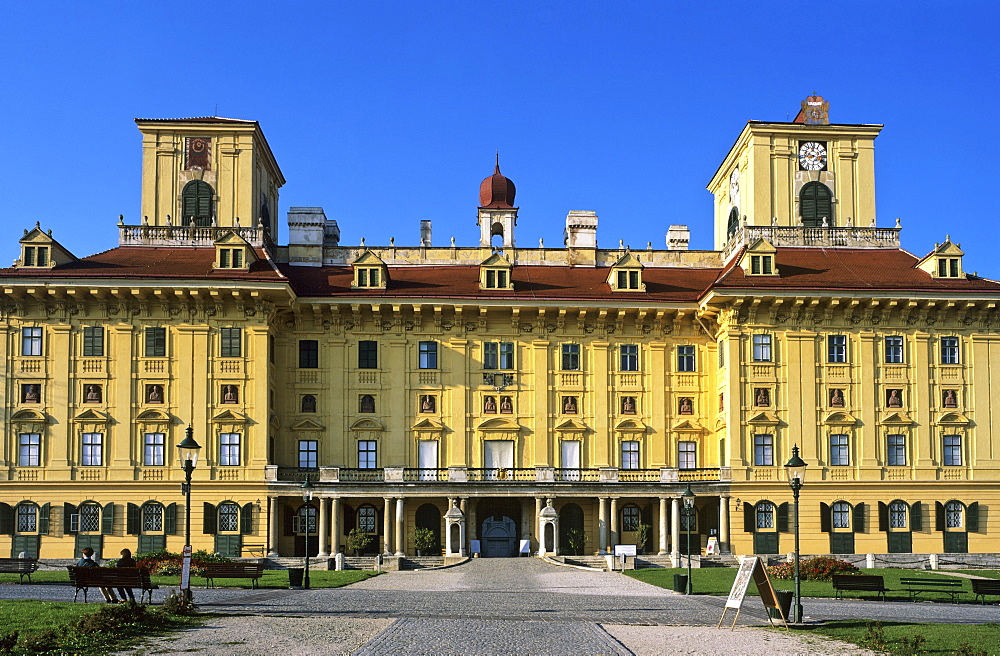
(258, 550)
(951, 587)
(983, 587)
(211, 571)
(20, 566)
(859, 583)
(84, 578)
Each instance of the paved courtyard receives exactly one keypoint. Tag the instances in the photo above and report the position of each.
(503, 606)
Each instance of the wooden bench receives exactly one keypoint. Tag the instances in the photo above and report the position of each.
(859, 583)
(20, 566)
(258, 550)
(983, 587)
(212, 571)
(951, 587)
(84, 578)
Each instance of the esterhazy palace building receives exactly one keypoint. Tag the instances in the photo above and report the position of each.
(500, 392)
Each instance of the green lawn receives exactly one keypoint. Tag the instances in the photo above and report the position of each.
(272, 578)
(33, 616)
(719, 581)
(902, 638)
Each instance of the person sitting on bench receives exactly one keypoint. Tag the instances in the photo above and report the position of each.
(88, 561)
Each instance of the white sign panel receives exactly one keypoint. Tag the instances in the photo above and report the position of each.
(624, 549)
(186, 569)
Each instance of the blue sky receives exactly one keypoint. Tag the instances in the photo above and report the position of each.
(386, 113)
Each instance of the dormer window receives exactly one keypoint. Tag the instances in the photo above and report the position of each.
(495, 273)
(370, 272)
(36, 256)
(948, 267)
(626, 275)
(367, 277)
(759, 259)
(761, 265)
(230, 258)
(496, 279)
(40, 251)
(945, 261)
(233, 252)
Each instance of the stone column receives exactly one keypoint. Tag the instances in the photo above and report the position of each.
(387, 526)
(613, 538)
(663, 526)
(675, 524)
(540, 528)
(335, 525)
(724, 525)
(272, 527)
(602, 523)
(470, 520)
(324, 527)
(400, 542)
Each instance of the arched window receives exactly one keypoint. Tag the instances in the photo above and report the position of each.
(305, 520)
(840, 513)
(265, 214)
(152, 517)
(953, 514)
(367, 519)
(196, 203)
(229, 517)
(734, 223)
(630, 518)
(897, 514)
(309, 403)
(90, 518)
(815, 204)
(27, 517)
(765, 514)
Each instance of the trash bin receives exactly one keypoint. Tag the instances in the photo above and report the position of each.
(295, 577)
(680, 583)
(784, 599)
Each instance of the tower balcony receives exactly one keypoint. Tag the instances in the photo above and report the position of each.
(829, 237)
(170, 235)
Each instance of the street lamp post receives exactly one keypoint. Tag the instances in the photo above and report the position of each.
(688, 498)
(307, 495)
(796, 468)
(188, 450)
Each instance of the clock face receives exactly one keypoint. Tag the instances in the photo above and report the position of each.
(812, 156)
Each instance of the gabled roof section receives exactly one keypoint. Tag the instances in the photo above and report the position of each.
(498, 259)
(92, 416)
(368, 258)
(945, 261)
(45, 252)
(628, 261)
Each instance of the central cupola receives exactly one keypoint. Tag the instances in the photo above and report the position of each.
(497, 214)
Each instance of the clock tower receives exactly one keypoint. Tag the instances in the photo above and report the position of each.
(807, 173)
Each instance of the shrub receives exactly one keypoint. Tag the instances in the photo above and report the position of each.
(358, 541)
(176, 603)
(819, 568)
(44, 641)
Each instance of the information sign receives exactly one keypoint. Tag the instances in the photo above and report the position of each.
(712, 547)
(624, 549)
(752, 569)
(186, 569)
(474, 546)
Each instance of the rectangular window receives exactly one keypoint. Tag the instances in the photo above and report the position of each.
(630, 454)
(949, 350)
(229, 449)
(367, 454)
(153, 449)
(428, 355)
(687, 456)
(761, 348)
(92, 450)
(836, 348)
(156, 342)
(29, 450)
(31, 341)
(308, 354)
(895, 450)
(93, 341)
(367, 354)
(498, 355)
(308, 454)
(763, 450)
(571, 357)
(839, 453)
(629, 360)
(894, 350)
(952, 450)
(231, 342)
(685, 358)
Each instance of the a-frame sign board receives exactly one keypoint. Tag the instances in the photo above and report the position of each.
(752, 569)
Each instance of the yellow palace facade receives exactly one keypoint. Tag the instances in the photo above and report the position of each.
(549, 400)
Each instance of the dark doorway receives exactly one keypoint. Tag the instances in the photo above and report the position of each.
(571, 534)
(429, 516)
(499, 537)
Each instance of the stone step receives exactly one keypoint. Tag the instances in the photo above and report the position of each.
(593, 562)
(422, 562)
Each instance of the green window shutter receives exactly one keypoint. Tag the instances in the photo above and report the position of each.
(149, 543)
(824, 518)
(916, 517)
(197, 202)
(246, 519)
(108, 519)
(815, 203)
(68, 511)
(972, 517)
(170, 519)
(783, 517)
(6, 519)
(132, 522)
(43, 519)
(209, 522)
(749, 518)
(859, 518)
(883, 517)
(229, 546)
(938, 516)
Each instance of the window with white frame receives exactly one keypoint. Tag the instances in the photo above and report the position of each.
(840, 455)
(763, 450)
(765, 514)
(229, 517)
(152, 517)
(952, 451)
(628, 357)
(305, 520)
(155, 342)
(836, 347)
(841, 514)
(93, 341)
(27, 518)
(630, 518)
(230, 342)
(762, 348)
(367, 519)
(630, 454)
(229, 449)
(31, 341)
(498, 355)
(153, 449)
(92, 450)
(897, 514)
(949, 350)
(428, 355)
(953, 514)
(308, 454)
(895, 450)
(29, 450)
(685, 358)
(90, 518)
(894, 349)
(687, 455)
(571, 357)
(367, 454)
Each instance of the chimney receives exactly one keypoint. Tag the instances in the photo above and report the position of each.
(307, 231)
(581, 230)
(425, 232)
(678, 237)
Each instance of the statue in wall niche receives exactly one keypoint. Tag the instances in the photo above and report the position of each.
(628, 405)
(427, 403)
(949, 399)
(308, 403)
(154, 393)
(836, 398)
(93, 394)
(569, 405)
(30, 394)
(230, 394)
(506, 406)
(489, 405)
(894, 398)
(366, 403)
(762, 397)
(684, 406)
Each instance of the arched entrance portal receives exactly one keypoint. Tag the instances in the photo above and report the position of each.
(499, 537)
